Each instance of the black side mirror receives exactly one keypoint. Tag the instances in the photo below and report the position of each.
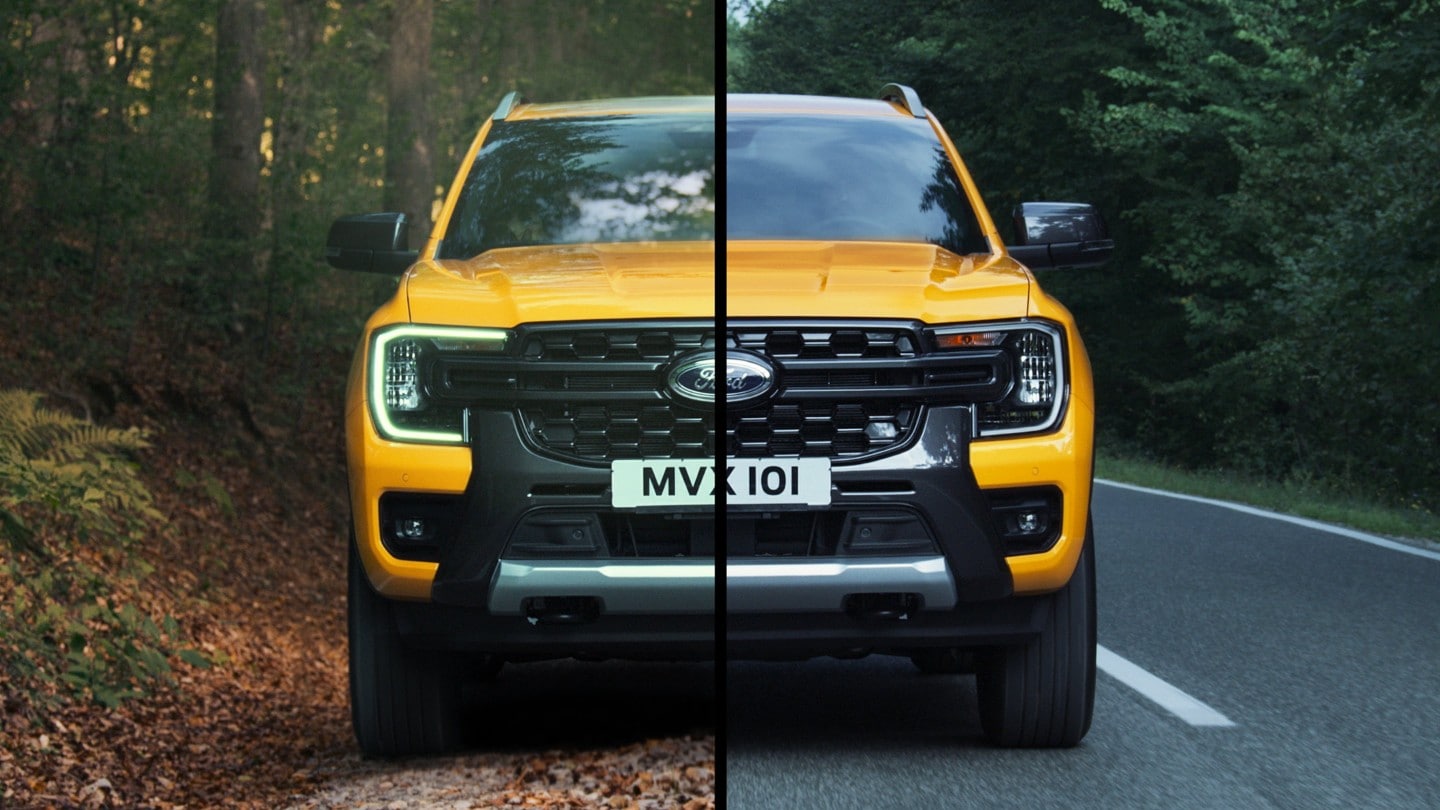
(1061, 235)
(371, 243)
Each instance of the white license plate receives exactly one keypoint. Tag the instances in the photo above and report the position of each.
(636, 483)
(778, 481)
(662, 482)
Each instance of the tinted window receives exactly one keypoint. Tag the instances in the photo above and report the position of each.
(832, 177)
(566, 181)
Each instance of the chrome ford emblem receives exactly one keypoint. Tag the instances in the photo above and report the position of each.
(747, 378)
(694, 379)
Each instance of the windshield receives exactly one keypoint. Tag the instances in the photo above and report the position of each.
(573, 180)
(844, 178)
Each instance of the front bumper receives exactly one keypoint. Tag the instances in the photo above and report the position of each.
(495, 583)
(515, 491)
(847, 600)
(620, 587)
(789, 587)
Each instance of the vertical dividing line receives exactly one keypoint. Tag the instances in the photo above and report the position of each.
(720, 454)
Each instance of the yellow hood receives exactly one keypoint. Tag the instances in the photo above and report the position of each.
(871, 280)
(566, 282)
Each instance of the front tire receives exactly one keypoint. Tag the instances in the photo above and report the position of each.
(402, 701)
(1041, 694)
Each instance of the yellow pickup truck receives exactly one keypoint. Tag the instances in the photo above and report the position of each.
(531, 418)
(910, 420)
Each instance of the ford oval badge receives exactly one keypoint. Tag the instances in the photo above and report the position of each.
(694, 379)
(747, 378)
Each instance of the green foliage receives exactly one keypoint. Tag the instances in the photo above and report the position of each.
(1262, 165)
(73, 507)
(1294, 228)
(116, 297)
(823, 47)
(107, 138)
(1311, 499)
(735, 49)
(75, 471)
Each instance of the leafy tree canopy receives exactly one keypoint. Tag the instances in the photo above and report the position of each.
(1261, 165)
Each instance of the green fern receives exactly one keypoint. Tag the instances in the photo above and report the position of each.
(44, 434)
(70, 472)
(66, 630)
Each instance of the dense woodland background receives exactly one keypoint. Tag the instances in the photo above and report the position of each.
(173, 351)
(171, 481)
(182, 160)
(1268, 167)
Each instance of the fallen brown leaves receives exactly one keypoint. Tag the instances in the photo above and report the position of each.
(656, 774)
(251, 564)
(669, 773)
(257, 586)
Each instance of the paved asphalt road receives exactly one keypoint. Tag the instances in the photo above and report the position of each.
(1323, 652)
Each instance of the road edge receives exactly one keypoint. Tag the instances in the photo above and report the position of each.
(1416, 547)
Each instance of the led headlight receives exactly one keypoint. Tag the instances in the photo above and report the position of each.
(1035, 400)
(401, 401)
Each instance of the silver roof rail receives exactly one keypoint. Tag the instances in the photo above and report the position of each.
(905, 97)
(507, 104)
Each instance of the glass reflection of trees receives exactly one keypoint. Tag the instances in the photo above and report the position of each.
(841, 178)
(570, 181)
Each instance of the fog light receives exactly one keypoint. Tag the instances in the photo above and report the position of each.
(1028, 520)
(882, 430)
(415, 526)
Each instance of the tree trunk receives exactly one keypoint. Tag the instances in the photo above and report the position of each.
(239, 121)
(409, 135)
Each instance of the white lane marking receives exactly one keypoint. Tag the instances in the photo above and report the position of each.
(1373, 540)
(1161, 693)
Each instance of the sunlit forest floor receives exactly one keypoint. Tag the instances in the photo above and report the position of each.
(250, 566)
(249, 560)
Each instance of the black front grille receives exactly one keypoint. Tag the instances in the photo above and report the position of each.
(589, 392)
(603, 432)
(617, 344)
(851, 390)
(827, 341)
(819, 428)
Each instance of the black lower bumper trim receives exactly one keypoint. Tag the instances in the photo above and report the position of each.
(796, 636)
(506, 475)
(460, 629)
(930, 479)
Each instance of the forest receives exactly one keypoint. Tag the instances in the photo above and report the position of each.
(173, 351)
(1268, 170)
